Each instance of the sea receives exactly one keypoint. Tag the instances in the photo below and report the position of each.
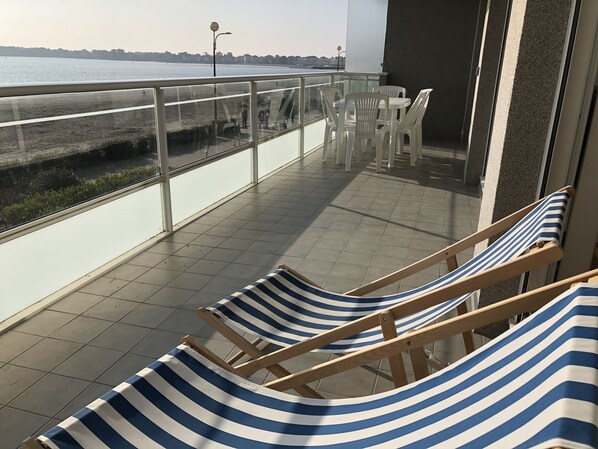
(29, 70)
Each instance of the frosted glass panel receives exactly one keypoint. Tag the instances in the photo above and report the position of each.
(197, 189)
(275, 153)
(313, 136)
(42, 262)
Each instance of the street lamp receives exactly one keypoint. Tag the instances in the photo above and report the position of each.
(338, 57)
(214, 27)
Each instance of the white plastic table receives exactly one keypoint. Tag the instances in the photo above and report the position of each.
(394, 104)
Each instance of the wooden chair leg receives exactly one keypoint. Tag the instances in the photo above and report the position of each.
(252, 351)
(238, 355)
(419, 362)
(389, 331)
(30, 443)
(467, 335)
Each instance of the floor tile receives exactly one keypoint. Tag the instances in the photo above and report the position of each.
(157, 276)
(136, 291)
(225, 285)
(190, 281)
(50, 395)
(170, 296)
(88, 363)
(182, 321)
(147, 315)
(148, 260)
(120, 337)
(158, 343)
(47, 354)
(176, 263)
(104, 286)
(16, 379)
(76, 303)
(127, 272)
(14, 343)
(223, 255)
(82, 329)
(45, 322)
(211, 267)
(124, 368)
(165, 248)
(111, 309)
(90, 394)
(17, 425)
(194, 251)
(242, 271)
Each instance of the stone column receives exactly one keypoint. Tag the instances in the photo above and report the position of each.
(528, 89)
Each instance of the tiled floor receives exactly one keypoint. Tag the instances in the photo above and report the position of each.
(339, 229)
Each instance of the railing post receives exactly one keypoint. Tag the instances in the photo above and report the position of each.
(163, 158)
(301, 117)
(254, 132)
(332, 78)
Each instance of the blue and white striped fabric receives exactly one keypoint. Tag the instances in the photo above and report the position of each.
(534, 386)
(284, 310)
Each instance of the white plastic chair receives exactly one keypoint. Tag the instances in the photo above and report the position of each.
(329, 95)
(420, 116)
(391, 91)
(409, 125)
(365, 124)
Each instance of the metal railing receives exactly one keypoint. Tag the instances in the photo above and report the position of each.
(66, 248)
(347, 80)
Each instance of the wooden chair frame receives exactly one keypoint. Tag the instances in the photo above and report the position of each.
(526, 302)
(541, 255)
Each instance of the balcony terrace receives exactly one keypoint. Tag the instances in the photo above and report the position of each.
(339, 229)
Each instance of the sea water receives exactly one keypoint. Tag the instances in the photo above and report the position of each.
(30, 70)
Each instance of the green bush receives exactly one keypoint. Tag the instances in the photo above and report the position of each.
(119, 149)
(44, 203)
(53, 179)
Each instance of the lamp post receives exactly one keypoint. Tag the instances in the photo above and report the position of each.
(338, 57)
(214, 27)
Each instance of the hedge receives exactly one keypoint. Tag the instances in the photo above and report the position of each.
(44, 203)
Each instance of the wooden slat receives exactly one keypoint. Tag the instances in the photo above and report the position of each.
(550, 253)
(502, 310)
(454, 249)
(251, 351)
(389, 331)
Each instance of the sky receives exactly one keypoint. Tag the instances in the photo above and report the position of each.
(260, 27)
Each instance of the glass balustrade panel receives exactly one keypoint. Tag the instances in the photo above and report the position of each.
(57, 151)
(278, 106)
(205, 121)
(313, 99)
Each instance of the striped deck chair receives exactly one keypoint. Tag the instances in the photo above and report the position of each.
(285, 309)
(534, 386)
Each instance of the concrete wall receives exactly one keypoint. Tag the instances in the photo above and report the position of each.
(430, 43)
(528, 86)
(366, 30)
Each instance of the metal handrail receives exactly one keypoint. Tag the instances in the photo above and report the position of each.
(66, 88)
